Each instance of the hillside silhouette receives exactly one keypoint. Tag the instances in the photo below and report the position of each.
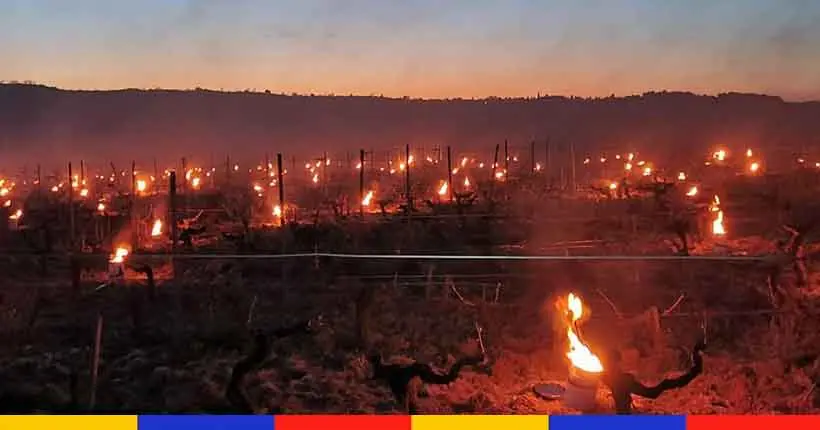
(49, 125)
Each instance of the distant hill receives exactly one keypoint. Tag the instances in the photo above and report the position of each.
(49, 125)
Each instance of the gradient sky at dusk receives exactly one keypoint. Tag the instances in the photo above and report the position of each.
(420, 48)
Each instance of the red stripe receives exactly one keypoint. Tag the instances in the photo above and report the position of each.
(752, 422)
(341, 422)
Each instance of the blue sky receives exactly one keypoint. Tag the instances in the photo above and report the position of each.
(420, 48)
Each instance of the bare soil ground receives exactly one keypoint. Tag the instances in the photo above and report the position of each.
(175, 353)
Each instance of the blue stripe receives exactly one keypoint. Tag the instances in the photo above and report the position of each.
(205, 422)
(617, 422)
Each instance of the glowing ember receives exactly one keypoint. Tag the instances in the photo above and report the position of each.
(499, 175)
(647, 171)
(142, 185)
(7, 204)
(641, 163)
(719, 155)
(156, 230)
(537, 167)
(277, 211)
(101, 207)
(681, 176)
(748, 152)
(16, 215)
(84, 192)
(579, 354)
(367, 198)
(480, 165)
(4, 192)
(257, 188)
(315, 178)
(613, 186)
(630, 157)
(455, 170)
(754, 167)
(402, 166)
(54, 189)
(603, 159)
(359, 165)
(235, 167)
(586, 160)
(692, 191)
(195, 182)
(463, 161)
(628, 166)
(119, 255)
(442, 189)
(467, 182)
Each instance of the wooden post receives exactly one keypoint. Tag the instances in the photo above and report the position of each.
(95, 364)
(82, 174)
(134, 231)
(407, 178)
(39, 180)
(450, 184)
(361, 182)
(228, 169)
(70, 206)
(172, 210)
(183, 186)
(572, 166)
(492, 178)
(548, 158)
(324, 175)
(506, 158)
(281, 183)
(532, 155)
(157, 178)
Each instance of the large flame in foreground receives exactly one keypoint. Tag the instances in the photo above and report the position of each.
(579, 354)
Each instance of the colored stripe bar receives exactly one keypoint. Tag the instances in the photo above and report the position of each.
(618, 422)
(753, 422)
(342, 422)
(68, 422)
(205, 422)
(480, 422)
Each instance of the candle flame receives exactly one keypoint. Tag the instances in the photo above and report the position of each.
(119, 255)
(579, 354)
(156, 230)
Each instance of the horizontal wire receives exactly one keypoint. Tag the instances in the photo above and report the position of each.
(451, 257)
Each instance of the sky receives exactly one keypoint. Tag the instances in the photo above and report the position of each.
(418, 48)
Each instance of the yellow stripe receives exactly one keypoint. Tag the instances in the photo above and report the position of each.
(68, 422)
(480, 422)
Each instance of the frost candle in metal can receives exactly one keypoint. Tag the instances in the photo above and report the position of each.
(582, 387)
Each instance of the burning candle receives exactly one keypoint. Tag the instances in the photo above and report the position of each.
(442, 190)
(367, 198)
(156, 230)
(585, 368)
